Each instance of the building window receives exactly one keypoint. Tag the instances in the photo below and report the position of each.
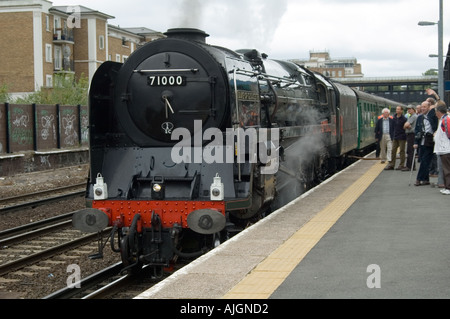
(49, 80)
(118, 58)
(57, 22)
(57, 26)
(48, 53)
(58, 58)
(124, 58)
(101, 42)
(109, 57)
(47, 23)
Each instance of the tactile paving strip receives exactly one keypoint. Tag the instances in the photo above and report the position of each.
(262, 281)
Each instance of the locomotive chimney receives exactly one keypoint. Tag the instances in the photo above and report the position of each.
(187, 34)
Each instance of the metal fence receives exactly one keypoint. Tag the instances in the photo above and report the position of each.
(35, 127)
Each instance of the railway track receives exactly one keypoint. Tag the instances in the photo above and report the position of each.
(25, 247)
(40, 198)
(35, 255)
(21, 233)
(110, 283)
(40, 240)
(89, 284)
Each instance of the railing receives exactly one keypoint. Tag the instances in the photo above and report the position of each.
(63, 65)
(63, 34)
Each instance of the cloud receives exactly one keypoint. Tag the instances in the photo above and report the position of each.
(376, 32)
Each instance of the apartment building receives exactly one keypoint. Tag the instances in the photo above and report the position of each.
(40, 40)
(123, 41)
(321, 62)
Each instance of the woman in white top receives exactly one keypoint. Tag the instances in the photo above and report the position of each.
(442, 144)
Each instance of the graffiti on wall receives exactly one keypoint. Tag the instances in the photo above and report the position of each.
(42, 127)
(69, 128)
(21, 128)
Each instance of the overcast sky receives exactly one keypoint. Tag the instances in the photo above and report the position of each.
(383, 35)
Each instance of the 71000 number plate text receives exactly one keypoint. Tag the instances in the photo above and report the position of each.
(166, 80)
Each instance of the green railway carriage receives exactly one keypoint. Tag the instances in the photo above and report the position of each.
(354, 113)
(370, 108)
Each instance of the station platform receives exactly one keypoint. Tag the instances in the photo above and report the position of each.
(365, 233)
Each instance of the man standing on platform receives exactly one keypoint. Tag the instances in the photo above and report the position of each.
(384, 134)
(426, 125)
(410, 127)
(399, 140)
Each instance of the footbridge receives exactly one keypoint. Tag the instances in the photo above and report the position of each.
(407, 89)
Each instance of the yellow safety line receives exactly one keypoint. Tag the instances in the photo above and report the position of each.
(262, 281)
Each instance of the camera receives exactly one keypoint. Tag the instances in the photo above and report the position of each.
(419, 135)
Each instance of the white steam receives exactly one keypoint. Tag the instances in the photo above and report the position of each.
(190, 14)
(253, 23)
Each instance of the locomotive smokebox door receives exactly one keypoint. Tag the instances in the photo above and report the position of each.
(206, 221)
(90, 220)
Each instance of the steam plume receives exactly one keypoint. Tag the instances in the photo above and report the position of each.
(251, 22)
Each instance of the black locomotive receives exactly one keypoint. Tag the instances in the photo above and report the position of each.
(190, 142)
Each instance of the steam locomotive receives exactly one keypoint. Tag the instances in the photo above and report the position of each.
(190, 143)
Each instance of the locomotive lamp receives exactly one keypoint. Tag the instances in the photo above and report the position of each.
(158, 192)
(217, 189)
(100, 188)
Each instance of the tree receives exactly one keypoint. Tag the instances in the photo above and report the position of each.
(66, 91)
(4, 96)
(430, 72)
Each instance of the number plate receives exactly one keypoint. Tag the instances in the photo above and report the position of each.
(166, 80)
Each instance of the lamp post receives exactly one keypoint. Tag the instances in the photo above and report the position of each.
(440, 55)
(436, 56)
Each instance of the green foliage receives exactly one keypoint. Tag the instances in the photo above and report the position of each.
(430, 72)
(4, 96)
(66, 91)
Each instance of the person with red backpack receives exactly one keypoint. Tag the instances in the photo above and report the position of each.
(442, 144)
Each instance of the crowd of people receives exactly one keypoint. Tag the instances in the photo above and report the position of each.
(424, 132)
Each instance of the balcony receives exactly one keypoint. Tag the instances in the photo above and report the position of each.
(63, 35)
(64, 65)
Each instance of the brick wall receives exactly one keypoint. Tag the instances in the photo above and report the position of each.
(16, 47)
(80, 50)
(101, 31)
(116, 47)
